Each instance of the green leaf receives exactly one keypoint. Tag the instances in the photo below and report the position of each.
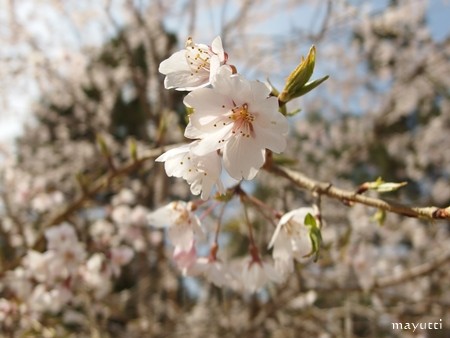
(310, 86)
(315, 236)
(310, 220)
(294, 112)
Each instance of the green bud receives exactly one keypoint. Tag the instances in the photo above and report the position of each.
(297, 82)
(382, 186)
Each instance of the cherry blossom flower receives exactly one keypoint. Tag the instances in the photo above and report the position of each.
(121, 215)
(290, 240)
(193, 67)
(60, 236)
(183, 225)
(255, 274)
(185, 259)
(215, 271)
(44, 299)
(37, 264)
(238, 117)
(102, 231)
(44, 202)
(96, 275)
(8, 312)
(66, 251)
(120, 256)
(138, 215)
(201, 172)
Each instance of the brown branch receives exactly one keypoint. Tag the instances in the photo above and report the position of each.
(325, 188)
(417, 271)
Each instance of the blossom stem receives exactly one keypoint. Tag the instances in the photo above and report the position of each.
(249, 225)
(262, 207)
(219, 223)
(208, 211)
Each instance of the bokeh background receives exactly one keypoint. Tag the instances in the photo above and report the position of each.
(73, 70)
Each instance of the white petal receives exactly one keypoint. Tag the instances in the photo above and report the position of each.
(234, 86)
(221, 79)
(175, 63)
(208, 104)
(271, 139)
(211, 142)
(217, 48)
(282, 248)
(193, 132)
(171, 153)
(298, 215)
(181, 236)
(276, 233)
(165, 215)
(184, 80)
(260, 91)
(243, 158)
(271, 273)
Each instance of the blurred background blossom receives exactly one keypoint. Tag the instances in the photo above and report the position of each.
(77, 256)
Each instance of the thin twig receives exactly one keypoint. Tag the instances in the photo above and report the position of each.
(325, 188)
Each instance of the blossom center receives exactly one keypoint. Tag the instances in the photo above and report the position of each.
(243, 121)
(198, 58)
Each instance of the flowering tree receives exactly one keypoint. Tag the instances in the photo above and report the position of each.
(260, 220)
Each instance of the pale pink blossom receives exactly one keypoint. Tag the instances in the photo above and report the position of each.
(66, 252)
(193, 67)
(102, 231)
(138, 215)
(257, 274)
(291, 240)
(121, 215)
(8, 312)
(125, 196)
(97, 275)
(185, 259)
(51, 299)
(215, 271)
(66, 260)
(44, 201)
(37, 264)
(120, 256)
(239, 118)
(183, 225)
(60, 236)
(18, 281)
(201, 172)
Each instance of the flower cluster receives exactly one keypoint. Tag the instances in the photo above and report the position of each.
(233, 121)
(50, 281)
(290, 241)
